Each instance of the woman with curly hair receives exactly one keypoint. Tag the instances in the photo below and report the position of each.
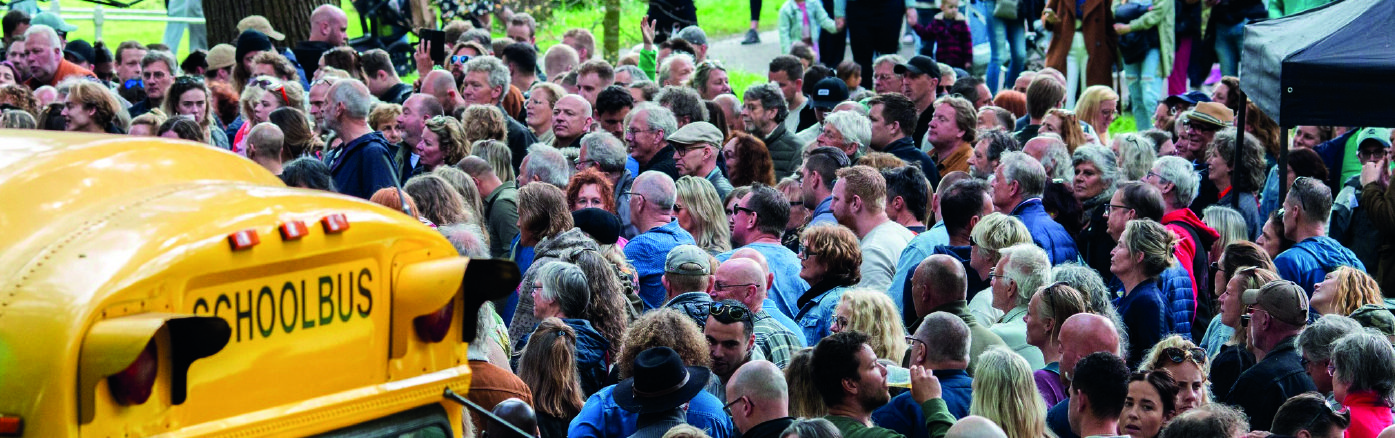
(610, 311)
(263, 95)
(443, 142)
(483, 122)
(1065, 124)
(831, 262)
(872, 312)
(439, 202)
(748, 161)
(1004, 392)
(1220, 161)
(590, 189)
(658, 328)
(548, 367)
(188, 96)
(1344, 290)
(19, 96)
(699, 212)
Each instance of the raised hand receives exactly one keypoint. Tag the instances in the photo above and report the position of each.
(924, 385)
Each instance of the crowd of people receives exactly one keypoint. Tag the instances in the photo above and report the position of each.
(903, 253)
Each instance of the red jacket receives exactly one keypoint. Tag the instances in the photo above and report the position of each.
(65, 69)
(1186, 247)
(1369, 414)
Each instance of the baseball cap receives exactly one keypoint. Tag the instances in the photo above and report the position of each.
(1381, 135)
(260, 24)
(81, 50)
(1211, 113)
(1190, 98)
(221, 56)
(829, 92)
(920, 65)
(697, 133)
(1283, 299)
(688, 260)
(52, 20)
(693, 34)
(1376, 317)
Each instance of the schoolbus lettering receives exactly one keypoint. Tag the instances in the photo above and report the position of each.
(257, 311)
(367, 307)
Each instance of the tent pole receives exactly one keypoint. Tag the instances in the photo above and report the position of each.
(1283, 164)
(1238, 165)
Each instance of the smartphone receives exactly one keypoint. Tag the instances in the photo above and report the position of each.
(437, 39)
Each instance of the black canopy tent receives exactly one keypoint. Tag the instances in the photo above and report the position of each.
(1332, 65)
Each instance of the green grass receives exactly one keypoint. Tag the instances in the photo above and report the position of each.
(1124, 123)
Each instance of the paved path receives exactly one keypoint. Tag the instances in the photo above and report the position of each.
(756, 58)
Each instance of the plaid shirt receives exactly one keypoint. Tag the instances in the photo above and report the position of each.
(776, 342)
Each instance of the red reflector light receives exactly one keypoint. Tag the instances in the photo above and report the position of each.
(335, 223)
(294, 230)
(244, 239)
(433, 327)
(133, 385)
(11, 425)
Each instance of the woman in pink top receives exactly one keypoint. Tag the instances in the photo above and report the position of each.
(1363, 380)
(1049, 308)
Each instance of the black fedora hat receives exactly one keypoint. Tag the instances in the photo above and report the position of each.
(660, 382)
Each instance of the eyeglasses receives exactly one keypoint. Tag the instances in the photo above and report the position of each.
(724, 312)
(459, 59)
(993, 273)
(1110, 207)
(1368, 155)
(721, 286)
(841, 321)
(681, 151)
(1178, 355)
(585, 164)
(738, 208)
(804, 254)
(1332, 368)
(271, 85)
(1200, 126)
(633, 132)
(1153, 174)
(727, 407)
(911, 340)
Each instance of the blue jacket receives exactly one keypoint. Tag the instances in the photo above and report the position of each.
(903, 413)
(904, 148)
(1181, 304)
(788, 286)
(592, 364)
(364, 166)
(1046, 232)
(823, 213)
(647, 252)
(816, 311)
(920, 247)
(1309, 261)
(1058, 420)
(1145, 317)
(601, 417)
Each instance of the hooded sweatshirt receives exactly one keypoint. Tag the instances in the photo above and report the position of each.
(1307, 262)
(547, 251)
(1193, 255)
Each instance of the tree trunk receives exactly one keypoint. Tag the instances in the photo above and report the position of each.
(611, 25)
(290, 17)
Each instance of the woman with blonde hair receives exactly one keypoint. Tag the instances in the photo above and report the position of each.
(1099, 106)
(1235, 356)
(1004, 393)
(465, 186)
(483, 122)
(699, 212)
(542, 96)
(1231, 226)
(145, 125)
(443, 142)
(831, 261)
(1344, 290)
(1047, 311)
(992, 233)
(1065, 124)
(805, 401)
(439, 202)
(1188, 366)
(548, 366)
(872, 312)
(383, 119)
(1144, 251)
(263, 95)
(498, 155)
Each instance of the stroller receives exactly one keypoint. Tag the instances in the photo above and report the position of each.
(386, 25)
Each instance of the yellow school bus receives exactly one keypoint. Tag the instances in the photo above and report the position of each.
(163, 288)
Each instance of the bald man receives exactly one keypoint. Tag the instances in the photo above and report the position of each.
(571, 119)
(771, 285)
(441, 85)
(264, 145)
(940, 285)
(329, 28)
(1081, 335)
(651, 211)
(517, 413)
(974, 426)
(744, 280)
(941, 345)
(759, 400)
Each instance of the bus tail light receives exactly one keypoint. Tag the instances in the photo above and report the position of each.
(133, 385)
(11, 425)
(433, 327)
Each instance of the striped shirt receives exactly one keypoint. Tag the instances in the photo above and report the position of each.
(775, 341)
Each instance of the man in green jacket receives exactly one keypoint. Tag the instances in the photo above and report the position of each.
(852, 385)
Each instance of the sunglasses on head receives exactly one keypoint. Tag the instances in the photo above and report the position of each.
(728, 314)
(1178, 355)
(273, 85)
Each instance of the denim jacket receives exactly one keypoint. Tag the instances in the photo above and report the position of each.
(602, 418)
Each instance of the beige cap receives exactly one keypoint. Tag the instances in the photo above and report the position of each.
(260, 24)
(1283, 299)
(221, 56)
(697, 133)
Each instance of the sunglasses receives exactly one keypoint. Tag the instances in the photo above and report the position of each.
(189, 80)
(727, 314)
(273, 85)
(459, 59)
(1178, 355)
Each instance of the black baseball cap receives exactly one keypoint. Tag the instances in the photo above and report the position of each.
(829, 92)
(1190, 98)
(920, 65)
